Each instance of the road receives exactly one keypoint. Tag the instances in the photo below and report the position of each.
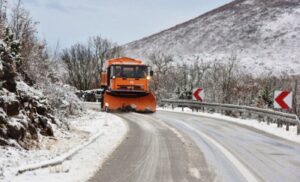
(205, 149)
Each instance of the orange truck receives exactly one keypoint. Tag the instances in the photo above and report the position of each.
(126, 86)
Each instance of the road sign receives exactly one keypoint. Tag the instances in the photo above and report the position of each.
(283, 99)
(198, 94)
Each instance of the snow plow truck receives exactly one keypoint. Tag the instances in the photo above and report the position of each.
(126, 86)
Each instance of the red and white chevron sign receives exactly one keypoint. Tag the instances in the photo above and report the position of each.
(198, 94)
(283, 100)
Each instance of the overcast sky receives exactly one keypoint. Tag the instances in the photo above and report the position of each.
(122, 21)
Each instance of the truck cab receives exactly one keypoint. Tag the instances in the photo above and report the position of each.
(126, 86)
(126, 75)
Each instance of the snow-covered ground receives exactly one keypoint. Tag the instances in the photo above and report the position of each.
(106, 130)
(263, 126)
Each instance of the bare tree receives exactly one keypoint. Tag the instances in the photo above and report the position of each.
(81, 65)
(219, 79)
(162, 65)
(3, 11)
(24, 29)
(198, 71)
(103, 49)
(3, 19)
(229, 72)
(85, 63)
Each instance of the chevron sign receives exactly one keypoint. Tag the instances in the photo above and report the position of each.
(283, 100)
(198, 94)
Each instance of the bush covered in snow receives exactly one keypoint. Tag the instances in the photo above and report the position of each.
(63, 99)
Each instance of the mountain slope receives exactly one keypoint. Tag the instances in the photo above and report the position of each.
(263, 34)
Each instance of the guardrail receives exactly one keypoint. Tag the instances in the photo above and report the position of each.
(269, 116)
(92, 105)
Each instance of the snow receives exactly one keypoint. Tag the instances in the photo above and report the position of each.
(93, 136)
(249, 2)
(262, 35)
(26, 89)
(8, 96)
(263, 126)
(3, 43)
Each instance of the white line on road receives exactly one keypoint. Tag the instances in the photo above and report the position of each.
(240, 167)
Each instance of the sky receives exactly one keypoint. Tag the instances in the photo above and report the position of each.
(121, 21)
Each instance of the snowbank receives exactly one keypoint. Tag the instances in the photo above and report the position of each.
(107, 131)
(263, 126)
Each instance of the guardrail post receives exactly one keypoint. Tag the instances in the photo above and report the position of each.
(172, 107)
(298, 125)
(270, 120)
(259, 118)
(244, 115)
(241, 114)
(266, 119)
(250, 115)
(287, 126)
(277, 121)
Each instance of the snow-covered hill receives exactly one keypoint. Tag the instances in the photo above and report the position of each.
(263, 34)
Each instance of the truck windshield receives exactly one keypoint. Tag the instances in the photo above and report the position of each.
(129, 71)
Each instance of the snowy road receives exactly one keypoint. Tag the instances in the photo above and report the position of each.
(259, 156)
(153, 153)
(214, 150)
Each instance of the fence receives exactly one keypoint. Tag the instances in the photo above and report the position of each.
(269, 116)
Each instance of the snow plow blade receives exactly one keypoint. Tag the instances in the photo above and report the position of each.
(146, 103)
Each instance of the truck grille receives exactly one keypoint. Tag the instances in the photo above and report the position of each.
(130, 87)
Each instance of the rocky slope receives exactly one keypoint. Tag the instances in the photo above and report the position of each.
(24, 112)
(264, 35)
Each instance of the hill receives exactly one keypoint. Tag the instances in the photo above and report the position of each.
(264, 35)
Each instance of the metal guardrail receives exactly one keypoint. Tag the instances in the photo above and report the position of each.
(267, 115)
(96, 106)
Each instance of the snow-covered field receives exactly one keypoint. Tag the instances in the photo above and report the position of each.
(98, 133)
(263, 126)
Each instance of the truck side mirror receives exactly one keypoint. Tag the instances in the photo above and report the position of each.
(151, 73)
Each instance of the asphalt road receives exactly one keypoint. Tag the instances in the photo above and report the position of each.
(153, 153)
(205, 150)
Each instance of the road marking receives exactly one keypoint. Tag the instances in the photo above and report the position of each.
(240, 167)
